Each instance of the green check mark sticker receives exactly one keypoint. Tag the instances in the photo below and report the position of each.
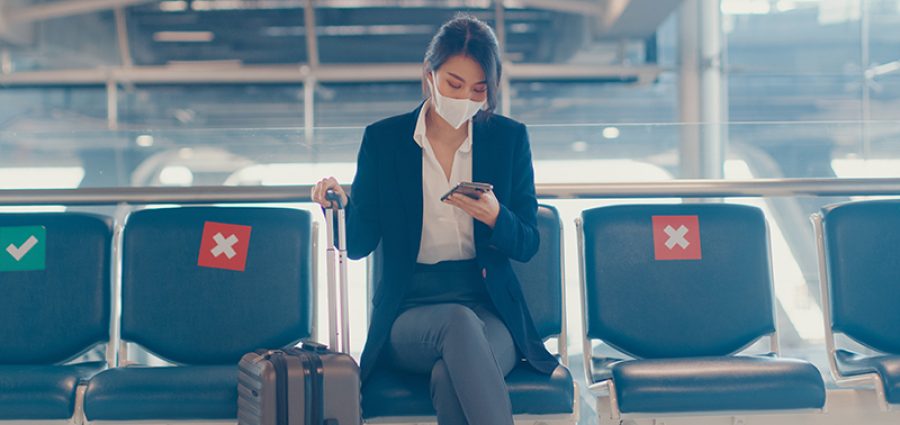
(23, 248)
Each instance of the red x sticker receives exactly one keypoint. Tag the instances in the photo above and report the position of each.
(224, 246)
(676, 237)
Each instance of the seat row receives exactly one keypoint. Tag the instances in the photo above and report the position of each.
(199, 288)
(682, 290)
(678, 290)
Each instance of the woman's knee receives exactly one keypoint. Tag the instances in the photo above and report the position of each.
(459, 319)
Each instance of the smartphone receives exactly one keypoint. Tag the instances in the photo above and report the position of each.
(470, 189)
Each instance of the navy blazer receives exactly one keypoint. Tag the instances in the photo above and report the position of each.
(386, 206)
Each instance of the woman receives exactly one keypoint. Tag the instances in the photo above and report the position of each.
(449, 304)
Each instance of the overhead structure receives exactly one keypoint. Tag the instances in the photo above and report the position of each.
(311, 43)
(615, 18)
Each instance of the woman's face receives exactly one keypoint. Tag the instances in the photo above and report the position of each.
(460, 77)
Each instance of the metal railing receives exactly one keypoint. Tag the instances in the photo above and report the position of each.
(300, 193)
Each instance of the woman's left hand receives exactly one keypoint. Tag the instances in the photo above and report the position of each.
(485, 209)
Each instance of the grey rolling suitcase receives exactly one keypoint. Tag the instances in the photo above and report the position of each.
(310, 385)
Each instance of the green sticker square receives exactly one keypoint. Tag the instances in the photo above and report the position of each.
(23, 248)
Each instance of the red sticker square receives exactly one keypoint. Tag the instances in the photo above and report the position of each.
(676, 237)
(224, 246)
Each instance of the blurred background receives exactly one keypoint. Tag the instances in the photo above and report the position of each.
(111, 84)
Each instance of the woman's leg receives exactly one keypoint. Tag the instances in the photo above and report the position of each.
(498, 337)
(443, 396)
(458, 346)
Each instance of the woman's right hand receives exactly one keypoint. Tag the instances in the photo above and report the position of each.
(330, 183)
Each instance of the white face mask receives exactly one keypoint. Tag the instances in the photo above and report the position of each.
(455, 111)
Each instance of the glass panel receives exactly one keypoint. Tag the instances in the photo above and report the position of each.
(549, 102)
(358, 105)
(884, 33)
(885, 95)
(793, 60)
(211, 106)
(53, 108)
(792, 37)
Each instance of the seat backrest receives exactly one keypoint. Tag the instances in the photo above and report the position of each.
(55, 283)
(184, 297)
(657, 287)
(864, 271)
(540, 277)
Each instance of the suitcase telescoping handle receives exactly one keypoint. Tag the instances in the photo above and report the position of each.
(337, 275)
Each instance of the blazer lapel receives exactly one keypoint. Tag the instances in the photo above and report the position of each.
(408, 164)
(482, 169)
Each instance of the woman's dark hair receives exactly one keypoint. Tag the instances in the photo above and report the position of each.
(468, 36)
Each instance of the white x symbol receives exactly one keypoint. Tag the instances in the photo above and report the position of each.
(676, 237)
(223, 245)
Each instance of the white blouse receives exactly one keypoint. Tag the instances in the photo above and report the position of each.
(448, 233)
